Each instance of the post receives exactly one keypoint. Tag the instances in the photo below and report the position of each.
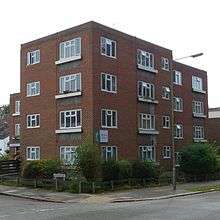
(112, 185)
(18, 181)
(80, 187)
(56, 184)
(35, 182)
(93, 187)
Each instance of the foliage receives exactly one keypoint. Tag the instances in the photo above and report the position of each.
(110, 170)
(4, 157)
(125, 169)
(88, 160)
(198, 159)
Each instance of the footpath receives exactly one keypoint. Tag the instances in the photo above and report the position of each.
(132, 195)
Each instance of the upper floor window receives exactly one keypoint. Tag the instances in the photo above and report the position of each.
(17, 130)
(146, 121)
(109, 118)
(197, 83)
(33, 153)
(147, 153)
(33, 57)
(17, 107)
(108, 47)
(68, 154)
(178, 131)
(177, 77)
(71, 119)
(146, 90)
(145, 60)
(166, 93)
(70, 49)
(33, 121)
(165, 63)
(33, 89)
(109, 153)
(166, 152)
(166, 121)
(70, 83)
(108, 83)
(198, 107)
(178, 104)
(198, 132)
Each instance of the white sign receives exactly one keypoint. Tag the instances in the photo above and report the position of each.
(59, 175)
(103, 136)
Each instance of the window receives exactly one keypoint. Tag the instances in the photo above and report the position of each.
(33, 57)
(198, 132)
(109, 153)
(146, 91)
(166, 152)
(178, 131)
(197, 83)
(166, 121)
(108, 83)
(165, 63)
(166, 93)
(33, 121)
(147, 153)
(178, 104)
(177, 78)
(108, 47)
(198, 107)
(33, 153)
(17, 107)
(71, 119)
(70, 49)
(68, 154)
(33, 89)
(17, 130)
(70, 83)
(147, 121)
(109, 118)
(145, 60)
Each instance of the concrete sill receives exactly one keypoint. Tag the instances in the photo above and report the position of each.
(196, 115)
(67, 60)
(67, 95)
(148, 100)
(199, 91)
(14, 145)
(147, 69)
(197, 140)
(70, 130)
(15, 114)
(142, 131)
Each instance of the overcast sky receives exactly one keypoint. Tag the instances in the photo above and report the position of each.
(185, 26)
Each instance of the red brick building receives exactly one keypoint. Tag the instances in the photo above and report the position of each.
(94, 81)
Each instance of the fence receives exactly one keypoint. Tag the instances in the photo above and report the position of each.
(9, 167)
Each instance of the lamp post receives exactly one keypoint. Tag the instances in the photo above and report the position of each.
(172, 130)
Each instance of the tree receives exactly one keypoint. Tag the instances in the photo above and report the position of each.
(198, 159)
(88, 159)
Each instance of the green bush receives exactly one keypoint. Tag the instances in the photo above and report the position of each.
(41, 168)
(125, 169)
(198, 159)
(110, 170)
(4, 157)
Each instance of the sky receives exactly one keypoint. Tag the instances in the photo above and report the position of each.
(185, 26)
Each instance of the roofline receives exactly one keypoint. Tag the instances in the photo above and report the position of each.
(197, 69)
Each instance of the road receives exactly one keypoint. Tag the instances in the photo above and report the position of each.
(203, 206)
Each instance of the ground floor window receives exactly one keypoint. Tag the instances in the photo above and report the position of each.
(166, 152)
(68, 154)
(109, 153)
(147, 153)
(33, 153)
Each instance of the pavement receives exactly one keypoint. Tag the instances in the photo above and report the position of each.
(132, 195)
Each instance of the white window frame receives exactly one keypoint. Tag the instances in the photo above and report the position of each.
(146, 88)
(198, 107)
(111, 79)
(109, 113)
(166, 121)
(146, 122)
(178, 104)
(144, 151)
(166, 92)
(104, 43)
(71, 114)
(33, 89)
(178, 132)
(34, 151)
(165, 63)
(109, 150)
(197, 83)
(167, 152)
(145, 60)
(68, 154)
(33, 121)
(177, 79)
(17, 107)
(33, 57)
(17, 130)
(198, 132)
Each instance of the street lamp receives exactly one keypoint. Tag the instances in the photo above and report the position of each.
(174, 165)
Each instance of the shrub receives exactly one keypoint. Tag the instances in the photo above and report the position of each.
(110, 170)
(4, 157)
(198, 159)
(31, 169)
(125, 169)
(88, 160)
